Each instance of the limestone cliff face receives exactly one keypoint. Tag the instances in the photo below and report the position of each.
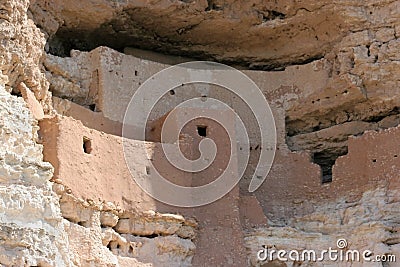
(328, 68)
(259, 34)
(32, 228)
(21, 51)
(31, 224)
(370, 223)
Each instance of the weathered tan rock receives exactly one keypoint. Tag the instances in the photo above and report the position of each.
(329, 138)
(108, 219)
(170, 250)
(31, 223)
(359, 223)
(254, 33)
(128, 243)
(73, 78)
(86, 248)
(21, 50)
(360, 87)
(31, 101)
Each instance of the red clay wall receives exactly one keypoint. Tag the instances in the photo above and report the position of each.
(294, 187)
(103, 175)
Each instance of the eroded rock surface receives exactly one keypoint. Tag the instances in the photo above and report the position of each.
(255, 33)
(32, 229)
(21, 50)
(103, 233)
(360, 223)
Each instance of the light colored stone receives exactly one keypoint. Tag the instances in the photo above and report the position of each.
(108, 219)
(30, 220)
(32, 103)
(359, 223)
(21, 50)
(252, 33)
(170, 250)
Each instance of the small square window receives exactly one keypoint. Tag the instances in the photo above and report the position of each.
(202, 130)
(87, 145)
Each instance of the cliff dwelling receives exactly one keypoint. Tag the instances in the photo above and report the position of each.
(75, 187)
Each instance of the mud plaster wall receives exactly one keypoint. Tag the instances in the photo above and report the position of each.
(119, 75)
(293, 188)
(217, 221)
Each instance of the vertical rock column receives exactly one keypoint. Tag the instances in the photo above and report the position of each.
(31, 227)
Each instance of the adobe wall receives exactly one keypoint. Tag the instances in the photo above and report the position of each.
(118, 76)
(92, 177)
(295, 95)
(293, 188)
(93, 120)
(63, 139)
(373, 159)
